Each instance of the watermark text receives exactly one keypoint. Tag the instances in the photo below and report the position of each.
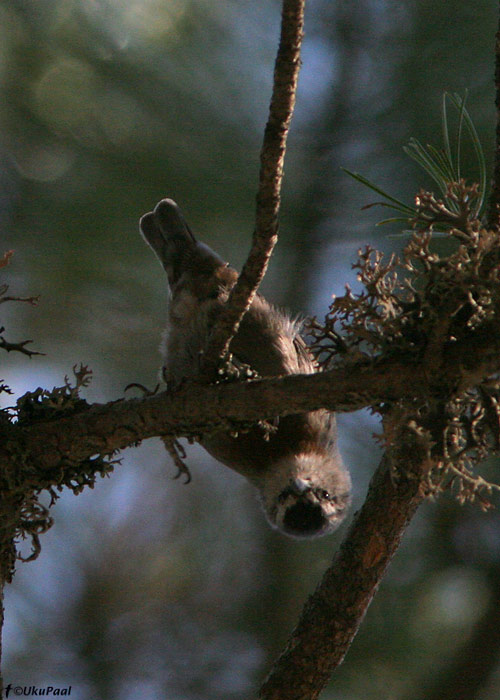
(50, 691)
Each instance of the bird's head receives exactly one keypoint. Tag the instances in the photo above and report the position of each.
(306, 495)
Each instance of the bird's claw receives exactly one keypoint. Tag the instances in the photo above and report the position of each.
(178, 455)
(141, 387)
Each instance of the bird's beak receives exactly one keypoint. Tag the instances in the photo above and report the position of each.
(299, 486)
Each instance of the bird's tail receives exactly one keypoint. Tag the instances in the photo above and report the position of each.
(168, 234)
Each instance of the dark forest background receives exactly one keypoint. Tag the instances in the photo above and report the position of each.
(146, 587)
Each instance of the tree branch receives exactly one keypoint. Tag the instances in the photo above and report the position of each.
(18, 347)
(197, 408)
(333, 614)
(272, 156)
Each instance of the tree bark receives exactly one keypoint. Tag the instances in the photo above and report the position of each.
(272, 157)
(197, 408)
(333, 614)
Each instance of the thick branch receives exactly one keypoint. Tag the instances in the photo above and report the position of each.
(333, 614)
(198, 408)
(286, 72)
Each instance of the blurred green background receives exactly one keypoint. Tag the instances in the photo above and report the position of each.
(146, 587)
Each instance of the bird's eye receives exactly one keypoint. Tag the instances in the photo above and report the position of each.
(323, 494)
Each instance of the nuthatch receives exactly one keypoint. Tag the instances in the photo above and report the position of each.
(297, 469)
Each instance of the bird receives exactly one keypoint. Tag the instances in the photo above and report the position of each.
(304, 487)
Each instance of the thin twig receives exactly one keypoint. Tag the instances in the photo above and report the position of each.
(18, 347)
(29, 300)
(272, 157)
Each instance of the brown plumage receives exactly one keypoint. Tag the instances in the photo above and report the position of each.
(303, 484)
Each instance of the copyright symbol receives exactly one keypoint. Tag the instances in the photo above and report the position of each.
(17, 690)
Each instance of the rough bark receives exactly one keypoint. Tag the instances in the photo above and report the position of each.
(197, 408)
(272, 156)
(333, 614)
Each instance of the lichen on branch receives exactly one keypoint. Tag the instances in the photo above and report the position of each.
(418, 307)
(22, 482)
